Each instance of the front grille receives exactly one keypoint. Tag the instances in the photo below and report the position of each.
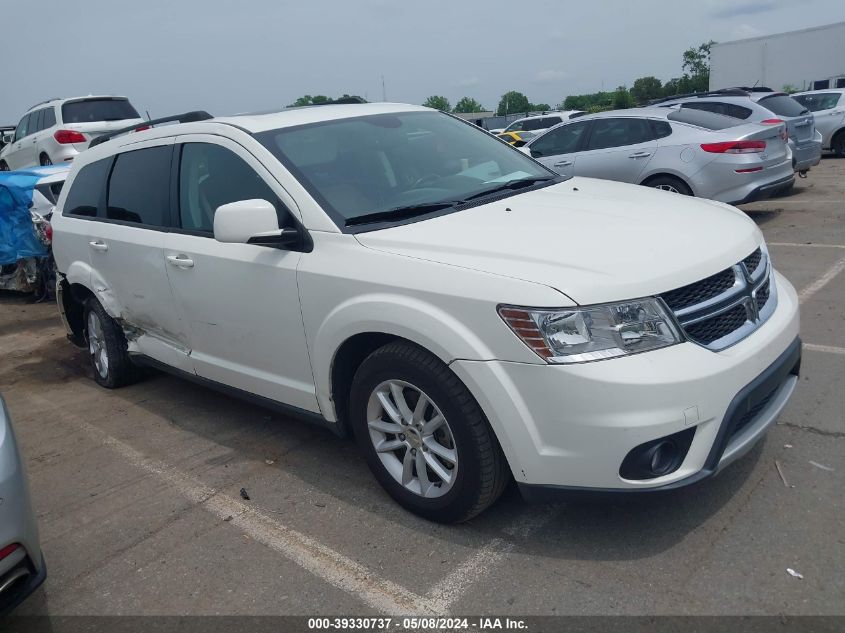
(720, 310)
(710, 330)
(753, 261)
(748, 417)
(763, 295)
(700, 291)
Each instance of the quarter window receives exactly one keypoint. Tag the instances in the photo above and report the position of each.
(139, 187)
(36, 121)
(619, 132)
(719, 107)
(84, 195)
(210, 176)
(561, 140)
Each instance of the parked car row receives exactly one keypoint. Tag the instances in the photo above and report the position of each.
(467, 313)
(828, 108)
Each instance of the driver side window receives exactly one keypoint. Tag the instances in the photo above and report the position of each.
(21, 130)
(563, 140)
(210, 176)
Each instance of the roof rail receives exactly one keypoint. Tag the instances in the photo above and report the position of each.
(724, 92)
(753, 89)
(43, 102)
(187, 117)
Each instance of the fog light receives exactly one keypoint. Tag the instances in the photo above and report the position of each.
(658, 457)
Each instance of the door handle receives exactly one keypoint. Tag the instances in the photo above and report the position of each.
(639, 155)
(97, 245)
(563, 163)
(180, 261)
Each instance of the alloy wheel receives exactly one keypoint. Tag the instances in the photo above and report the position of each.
(97, 345)
(667, 188)
(412, 438)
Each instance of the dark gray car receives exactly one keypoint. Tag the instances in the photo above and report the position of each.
(22, 567)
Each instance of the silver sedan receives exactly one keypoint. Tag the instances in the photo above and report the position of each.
(681, 150)
(22, 567)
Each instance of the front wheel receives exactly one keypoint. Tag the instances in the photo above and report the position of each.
(838, 145)
(424, 436)
(3, 166)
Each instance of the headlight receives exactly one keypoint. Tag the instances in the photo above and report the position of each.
(579, 335)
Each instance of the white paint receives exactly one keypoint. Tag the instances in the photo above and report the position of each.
(822, 281)
(824, 348)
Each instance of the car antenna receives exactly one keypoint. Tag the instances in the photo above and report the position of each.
(147, 112)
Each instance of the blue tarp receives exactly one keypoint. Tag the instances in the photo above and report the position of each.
(17, 234)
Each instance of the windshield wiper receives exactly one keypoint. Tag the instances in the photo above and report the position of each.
(519, 183)
(401, 213)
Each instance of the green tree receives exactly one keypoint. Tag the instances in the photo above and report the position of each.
(539, 107)
(790, 88)
(645, 89)
(438, 103)
(513, 102)
(302, 101)
(622, 99)
(468, 104)
(696, 66)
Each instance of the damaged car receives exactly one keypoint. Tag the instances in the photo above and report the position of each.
(27, 200)
(470, 316)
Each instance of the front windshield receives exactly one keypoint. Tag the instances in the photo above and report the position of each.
(376, 163)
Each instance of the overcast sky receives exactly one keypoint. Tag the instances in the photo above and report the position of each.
(170, 56)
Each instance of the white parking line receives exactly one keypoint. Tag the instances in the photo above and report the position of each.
(822, 281)
(333, 567)
(795, 244)
(824, 348)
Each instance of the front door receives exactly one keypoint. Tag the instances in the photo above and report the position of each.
(618, 149)
(240, 301)
(556, 148)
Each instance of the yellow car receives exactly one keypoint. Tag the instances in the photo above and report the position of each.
(514, 138)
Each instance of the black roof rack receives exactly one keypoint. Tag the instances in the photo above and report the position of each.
(753, 89)
(187, 117)
(724, 92)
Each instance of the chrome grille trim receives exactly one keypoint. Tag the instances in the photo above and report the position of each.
(744, 292)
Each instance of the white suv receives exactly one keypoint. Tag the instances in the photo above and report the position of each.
(469, 315)
(55, 131)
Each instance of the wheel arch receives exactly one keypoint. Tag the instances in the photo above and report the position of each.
(666, 173)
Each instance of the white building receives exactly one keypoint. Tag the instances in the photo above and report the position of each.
(808, 59)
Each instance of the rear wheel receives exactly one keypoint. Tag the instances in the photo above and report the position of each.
(107, 348)
(44, 160)
(668, 183)
(3, 166)
(838, 144)
(424, 436)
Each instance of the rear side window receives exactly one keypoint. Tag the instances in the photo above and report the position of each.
(661, 129)
(36, 121)
(818, 102)
(702, 118)
(139, 187)
(541, 124)
(86, 189)
(783, 105)
(49, 118)
(98, 110)
(211, 176)
(719, 107)
(619, 132)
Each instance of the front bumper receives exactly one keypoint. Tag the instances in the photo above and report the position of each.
(572, 425)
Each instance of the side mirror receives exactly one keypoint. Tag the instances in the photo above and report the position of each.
(238, 222)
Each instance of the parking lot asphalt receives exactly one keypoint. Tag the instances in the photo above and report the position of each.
(137, 493)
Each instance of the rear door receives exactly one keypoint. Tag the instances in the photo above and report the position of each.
(619, 148)
(240, 301)
(21, 151)
(127, 251)
(557, 148)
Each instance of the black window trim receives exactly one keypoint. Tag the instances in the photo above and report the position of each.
(102, 208)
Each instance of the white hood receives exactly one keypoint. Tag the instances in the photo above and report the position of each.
(593, 240)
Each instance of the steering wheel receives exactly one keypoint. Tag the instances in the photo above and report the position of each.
(428, 178)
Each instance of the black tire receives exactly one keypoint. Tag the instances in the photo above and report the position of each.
(119, 369)
(3, 166)
(838, 144)
(668, 181)
(44, 160)
(482, 471)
